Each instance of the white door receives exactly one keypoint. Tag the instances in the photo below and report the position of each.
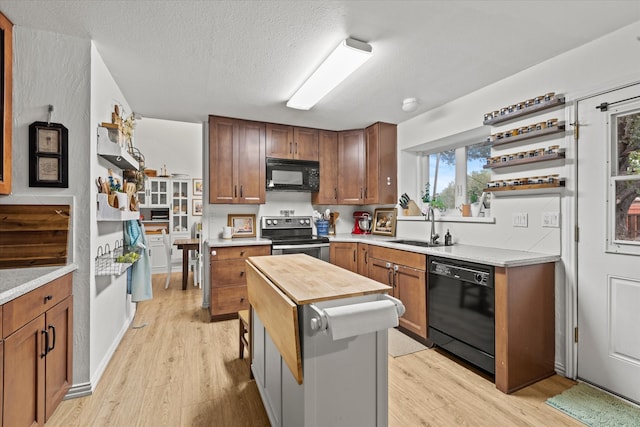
(608, 163)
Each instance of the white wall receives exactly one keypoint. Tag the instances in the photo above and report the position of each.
(54, 69)
(178, 145)
(111, 308)
(602, 64)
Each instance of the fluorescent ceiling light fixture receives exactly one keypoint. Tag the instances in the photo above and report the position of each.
(344, 60)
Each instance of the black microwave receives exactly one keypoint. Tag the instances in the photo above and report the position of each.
(292, 175)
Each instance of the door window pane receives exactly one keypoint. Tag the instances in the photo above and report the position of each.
(626, 176)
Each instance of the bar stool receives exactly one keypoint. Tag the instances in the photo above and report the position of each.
(243, 323)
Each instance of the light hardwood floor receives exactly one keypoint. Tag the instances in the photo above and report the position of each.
(181, 370)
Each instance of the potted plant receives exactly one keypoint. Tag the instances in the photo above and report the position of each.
(475, 205)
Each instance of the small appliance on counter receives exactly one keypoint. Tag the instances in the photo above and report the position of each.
(362, 222)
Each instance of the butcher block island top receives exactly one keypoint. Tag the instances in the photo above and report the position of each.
(307, 280)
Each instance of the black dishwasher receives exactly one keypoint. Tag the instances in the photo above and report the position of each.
(461, 310)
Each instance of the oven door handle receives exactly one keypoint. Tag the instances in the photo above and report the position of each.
(311, 246)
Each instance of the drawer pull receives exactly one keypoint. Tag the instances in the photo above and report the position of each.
(48, 298)
(241, 253)
(241, 299)
(241, 273)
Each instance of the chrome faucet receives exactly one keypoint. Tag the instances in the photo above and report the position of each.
(433, 238)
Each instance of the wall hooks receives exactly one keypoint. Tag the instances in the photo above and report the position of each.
(50, 110)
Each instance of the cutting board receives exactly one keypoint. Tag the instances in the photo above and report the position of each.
(33, 235)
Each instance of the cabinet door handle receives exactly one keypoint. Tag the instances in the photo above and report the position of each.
(354, 255)
(241, 195)
(366, 254)
(366, 192)
(296, 148)
(335, 193)
(53, 340)
(235, 191)
(46, 343)
(389, 279)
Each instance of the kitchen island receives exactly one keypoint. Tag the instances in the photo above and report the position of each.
(319, 342)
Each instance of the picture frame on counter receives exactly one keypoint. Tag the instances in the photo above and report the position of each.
(48, 155)
(242, 225)
(384, 222)
(197, 187)
(196, 207)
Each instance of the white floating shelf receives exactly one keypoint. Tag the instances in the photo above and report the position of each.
(108, 213)
(113, 151)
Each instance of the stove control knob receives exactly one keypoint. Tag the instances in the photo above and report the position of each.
(307, 221)
(268, 222)
(302, 222)
(275, 222)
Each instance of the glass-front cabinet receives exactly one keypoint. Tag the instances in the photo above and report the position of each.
(180, 205)
(155, 193)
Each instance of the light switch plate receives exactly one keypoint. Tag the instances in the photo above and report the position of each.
(551, 219)
(520, 219)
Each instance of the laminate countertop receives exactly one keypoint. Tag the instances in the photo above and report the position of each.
(16, 282)
(480, 254)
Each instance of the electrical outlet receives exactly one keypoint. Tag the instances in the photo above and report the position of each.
(519, 219)
(551, 219)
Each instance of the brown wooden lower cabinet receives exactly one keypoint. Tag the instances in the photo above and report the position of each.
(525, 325)
(406, 273)
(345, 255)
(228, 279)
(38, 353)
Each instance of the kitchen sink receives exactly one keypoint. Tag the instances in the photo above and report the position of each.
(415, 243)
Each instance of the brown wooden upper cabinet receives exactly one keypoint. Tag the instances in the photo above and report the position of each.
(381, 164)
(351, 167)
(237, 170)
(328, 147)
(367, 168)
(6, 41)
(289, 142)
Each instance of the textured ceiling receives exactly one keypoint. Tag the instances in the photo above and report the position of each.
(183, 60)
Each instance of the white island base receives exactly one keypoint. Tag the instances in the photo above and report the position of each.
(345, 381)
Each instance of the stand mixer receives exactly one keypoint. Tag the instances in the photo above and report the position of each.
(362, 222)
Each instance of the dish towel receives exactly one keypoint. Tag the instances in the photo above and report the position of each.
(139, 275)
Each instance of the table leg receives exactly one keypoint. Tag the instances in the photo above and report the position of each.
(185, 267)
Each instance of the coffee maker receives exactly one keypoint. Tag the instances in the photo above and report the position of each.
(362, 222)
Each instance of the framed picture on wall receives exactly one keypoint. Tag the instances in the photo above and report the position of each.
(197, 186)
(48, 155)
(196, 207)
(243, 225)
(384, 222)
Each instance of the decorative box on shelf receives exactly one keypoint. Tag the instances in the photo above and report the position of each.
(106, 212)
(111, 146)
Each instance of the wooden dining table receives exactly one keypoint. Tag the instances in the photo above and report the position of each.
(187, 245)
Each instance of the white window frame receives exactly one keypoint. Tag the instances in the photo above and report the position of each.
(614, 245)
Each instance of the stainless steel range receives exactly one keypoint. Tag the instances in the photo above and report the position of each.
(294, 235)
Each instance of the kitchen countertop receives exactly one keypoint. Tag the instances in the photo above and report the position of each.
(16, 282)
(480, 254)
(243, 241)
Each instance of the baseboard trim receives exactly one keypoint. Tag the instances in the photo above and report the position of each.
(86, 389)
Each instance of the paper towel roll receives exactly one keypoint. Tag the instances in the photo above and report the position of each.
(357, 319)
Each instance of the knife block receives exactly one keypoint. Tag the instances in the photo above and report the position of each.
(412, 209)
